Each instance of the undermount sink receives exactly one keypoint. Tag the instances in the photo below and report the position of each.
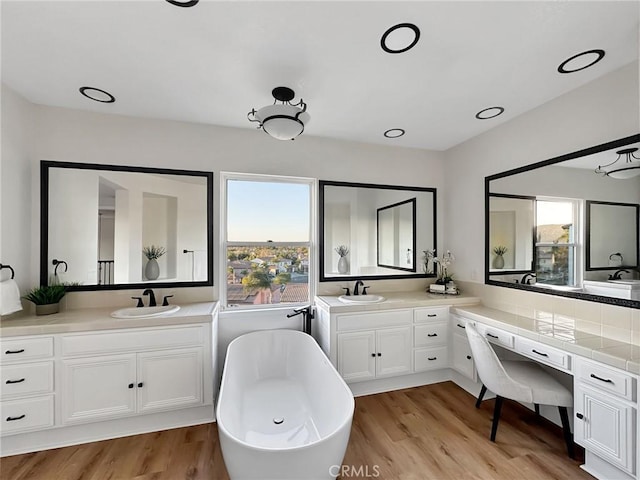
(360, 299)
(145, 312)
(626, 282)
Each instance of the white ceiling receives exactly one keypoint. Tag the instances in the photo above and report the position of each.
(214, 62)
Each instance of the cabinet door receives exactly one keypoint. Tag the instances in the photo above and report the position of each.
(604, 426)
(394, 351)
(356, 355)
(462, 359)
(169, 379)
(97, 388)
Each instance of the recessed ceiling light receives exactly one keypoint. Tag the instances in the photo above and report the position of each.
(185, 3)
(400, 38)
(581, 61)
(97, 94)
(394, 133)
(488, 113)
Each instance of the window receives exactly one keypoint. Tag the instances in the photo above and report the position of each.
(556, 241)
(266, 246)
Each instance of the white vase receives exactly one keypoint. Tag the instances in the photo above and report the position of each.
(152, 269)
(343, 265)
(498, 262)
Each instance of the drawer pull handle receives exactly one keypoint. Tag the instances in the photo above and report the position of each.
(373, 354)
(461, 326)
(379, 354)
(539, 353)
(10, 352)
(492, 336)
(432, 334)
(140, 385)
(431, 315)
(468, 357)
(9, 382)
(580, 416)
(131, 385)
(606, 380)
(12, 419)
(432, 358)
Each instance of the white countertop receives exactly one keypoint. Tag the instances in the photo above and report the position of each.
(561, 334)
(399, 300)
(89, 319)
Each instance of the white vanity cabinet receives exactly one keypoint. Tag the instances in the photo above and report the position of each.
(27, 390)
(365, 353)
(605, 418)
(86, 383)
(430, 338)
(461, 358)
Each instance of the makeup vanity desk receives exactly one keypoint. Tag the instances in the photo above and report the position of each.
(417, 339)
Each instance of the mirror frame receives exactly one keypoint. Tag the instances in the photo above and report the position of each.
(45, 165)
(414, 255)
(587, 240)
(321, 256)
(552, 161)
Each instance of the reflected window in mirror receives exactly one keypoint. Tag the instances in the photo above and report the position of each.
(580, 253)
(384, 229)
(109, 227)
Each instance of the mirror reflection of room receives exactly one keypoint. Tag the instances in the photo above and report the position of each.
(122, 227)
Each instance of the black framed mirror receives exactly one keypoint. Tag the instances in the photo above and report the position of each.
(357, 219)
(110, 227)
(568, 194)
(396, 235)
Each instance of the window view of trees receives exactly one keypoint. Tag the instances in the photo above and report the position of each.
(267, 275)
(555, 242)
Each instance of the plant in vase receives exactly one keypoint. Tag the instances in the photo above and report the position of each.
(444, 278)
(46, 298)
(427, 259)
(498, 261)
(343, 265)
(153, 253)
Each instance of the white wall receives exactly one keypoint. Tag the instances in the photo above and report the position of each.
(603, 110)
(15, 187)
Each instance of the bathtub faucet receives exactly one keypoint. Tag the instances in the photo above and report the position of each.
(307, 316)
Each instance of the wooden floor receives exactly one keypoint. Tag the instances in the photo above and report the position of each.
(431, 432)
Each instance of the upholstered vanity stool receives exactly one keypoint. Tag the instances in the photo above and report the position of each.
(522, 381)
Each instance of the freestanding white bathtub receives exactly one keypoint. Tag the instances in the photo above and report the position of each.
(283, 412)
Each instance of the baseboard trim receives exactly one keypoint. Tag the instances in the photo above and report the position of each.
(66, 436)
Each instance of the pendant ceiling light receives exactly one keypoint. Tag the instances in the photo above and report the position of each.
(282, 120)
(630, 167)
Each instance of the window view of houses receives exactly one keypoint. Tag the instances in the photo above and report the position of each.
(267, 275)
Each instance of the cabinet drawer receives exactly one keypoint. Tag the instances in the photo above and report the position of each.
(430, 334)
(27, 379)
(605, 378)
(430, 314)
(26, 414)
(362, 321)
(497, 336)
(543, 353)
(131, 340)
(458, 325)
(430, 358)
(18, 350)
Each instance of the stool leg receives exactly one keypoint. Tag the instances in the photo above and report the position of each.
(483, 390)
(496, 417)
(537, 407)
(566, 429)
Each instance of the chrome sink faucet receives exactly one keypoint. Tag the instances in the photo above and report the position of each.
(152, 297)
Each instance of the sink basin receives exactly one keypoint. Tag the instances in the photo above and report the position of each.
(361, 299)
(145, 312)
(626, 282)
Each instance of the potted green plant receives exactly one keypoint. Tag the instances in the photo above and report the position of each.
(153, 253)
(499, 251)
(46, 298)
